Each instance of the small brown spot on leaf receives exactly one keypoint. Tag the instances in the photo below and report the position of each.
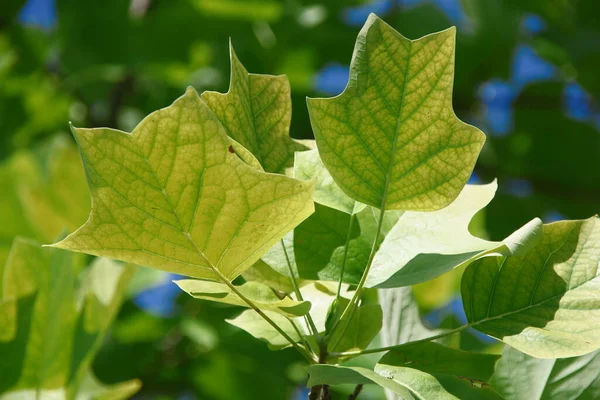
(231, 149)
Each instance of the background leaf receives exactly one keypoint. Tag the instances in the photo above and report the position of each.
(55, 316)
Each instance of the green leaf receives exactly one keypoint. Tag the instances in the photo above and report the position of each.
(435, 358)
(519, 376)
(424, 245)
(255, 325)
(330, 238)
(54, 316)
(364, 324)
(44, 194)
(407, 382)
(172, 196)
(391, 139)
(544, 302)
(261, 295)
(256, 112)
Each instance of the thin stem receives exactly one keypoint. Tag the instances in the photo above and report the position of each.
(304, 341)
(251, 304)
(339, 289)
(307, 317)
(351, 307)
(356, 392)
(398, 346)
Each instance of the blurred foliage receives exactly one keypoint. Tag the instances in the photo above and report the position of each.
(526, 73)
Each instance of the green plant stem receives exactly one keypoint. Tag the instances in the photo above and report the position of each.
(339, 288)
(309, 321)
(251, 304)
(356, 392)
(399, 346)
(309, 357)
(351, 307)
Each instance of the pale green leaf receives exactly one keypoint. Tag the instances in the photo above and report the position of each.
(544, 302)
(519, 376)
(53, 318)
(401, 320)
(256, 112)
(424, 245)
(308, 165)
(391, 139)
(321, 295)
(255, 325)
(407, 382)
(281, 256)
(261, 295)
(172, 196)
(262, 272)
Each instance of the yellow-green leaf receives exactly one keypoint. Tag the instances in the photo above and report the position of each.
(261, 295)
(174, 196)
(256, 112)
(391, 139)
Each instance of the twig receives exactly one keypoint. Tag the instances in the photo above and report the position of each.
(356, 392)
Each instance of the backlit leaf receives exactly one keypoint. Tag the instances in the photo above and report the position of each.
(391, 139)
(255, 325)
(172, 195)
(256, 112)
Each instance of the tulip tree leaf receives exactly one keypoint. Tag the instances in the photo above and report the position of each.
(520, 376)
(401, 320)
(330, 238)
(261, 295)
(435, 358)
(262, 272)
(53, 316)
(407, 382)
(424, 245)
(391, 139)
(364, 324)
(255, 325)
(308, 165)
(256, 112)
(544, 302)
(172, 195)
(416, 246)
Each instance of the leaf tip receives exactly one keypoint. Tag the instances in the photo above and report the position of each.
(190, 91)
